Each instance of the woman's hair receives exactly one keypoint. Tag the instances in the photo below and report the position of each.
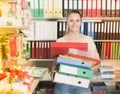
(74, 11)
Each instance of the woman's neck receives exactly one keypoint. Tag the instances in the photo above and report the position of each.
(73, 33)
(73, 36)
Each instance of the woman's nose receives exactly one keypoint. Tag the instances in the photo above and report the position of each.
(74, 22)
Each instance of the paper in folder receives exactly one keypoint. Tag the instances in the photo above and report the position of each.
(93, 61)
(58, 48)
(76, 71)
(74, 62)
(71, 80)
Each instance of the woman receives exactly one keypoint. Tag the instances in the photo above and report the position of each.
(74, 20)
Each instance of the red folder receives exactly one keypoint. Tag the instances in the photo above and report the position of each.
(85, 8)
(94, 8)
(37, 49)
(61, 48)
(89, 8)
(33, 50)
(93, 60)
(13, 45)
(2, 76)
(99, 8)
(108, 46)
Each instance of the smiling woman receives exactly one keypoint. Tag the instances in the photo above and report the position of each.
(73, 35)
(74, 21)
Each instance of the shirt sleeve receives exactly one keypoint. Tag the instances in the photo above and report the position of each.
(92, 50)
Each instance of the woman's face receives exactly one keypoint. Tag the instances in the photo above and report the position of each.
(73, 22)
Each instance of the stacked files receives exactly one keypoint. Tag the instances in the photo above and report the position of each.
(108, 74)
(62, 48)
(86, 55)
(76, 71)
(107, 71)
(71, 80)
(98, 87)
(93, 61)
(73, 72)
(73, 62)
(97, 76)
(111, 84)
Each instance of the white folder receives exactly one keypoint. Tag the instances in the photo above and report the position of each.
(71, 80)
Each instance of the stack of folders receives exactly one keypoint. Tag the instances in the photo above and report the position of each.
(98, 88)
(97, 75)
(73, 72)
(111, 84)
(107, 73)
(62, 48)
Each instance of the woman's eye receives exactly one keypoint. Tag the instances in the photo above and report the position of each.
(71, 20)
(77, 20)
(74, 20)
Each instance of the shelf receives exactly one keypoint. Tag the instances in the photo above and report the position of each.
(87, 19)
(109, 60)
(9, 1)
(34, 85)
(101, 80)
(12, 1)
(50, 19)
(9, 30)
(41, 59)
(102, 60)
(106, 40)
(11, 27)
(64, 19)
(102, 19)
(41, 40)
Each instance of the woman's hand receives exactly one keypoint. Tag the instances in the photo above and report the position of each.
(95, 67)
(53, 70)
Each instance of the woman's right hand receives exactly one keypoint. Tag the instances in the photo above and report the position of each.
(52, 74)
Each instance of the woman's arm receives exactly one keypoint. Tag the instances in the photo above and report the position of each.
(92, 51)
(53, 69)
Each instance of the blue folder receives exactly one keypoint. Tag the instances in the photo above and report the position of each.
(74, 62)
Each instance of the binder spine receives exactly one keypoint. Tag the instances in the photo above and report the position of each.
(73, 62)
(71, 80)
(76, 71)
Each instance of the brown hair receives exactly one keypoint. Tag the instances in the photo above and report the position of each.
(74, 11)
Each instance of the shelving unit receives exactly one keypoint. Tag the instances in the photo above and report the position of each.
(66, 7)
(99, 19)
(11, 43)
